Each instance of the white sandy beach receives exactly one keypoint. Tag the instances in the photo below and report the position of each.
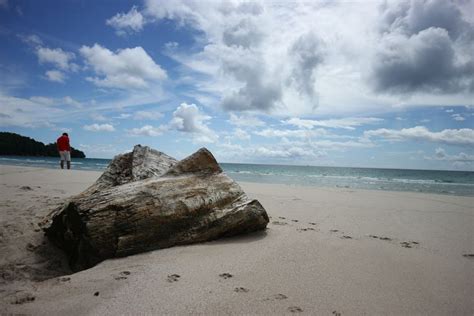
(326, 252)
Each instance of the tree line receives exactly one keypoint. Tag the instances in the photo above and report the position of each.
(18, 145)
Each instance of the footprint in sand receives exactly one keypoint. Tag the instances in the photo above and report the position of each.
(346, 237)
(311, 223)
(295, 309)
(279, 223)
(334, 230)
(22, 298)
(31, 247)
(122, 275)
(281, 217)
(225, 275)
(65, 279)
(305, 229)
(295, 220)
(278, 296)
(468, 255)
(241, 290)
(173, 278)
(336, 313)
(381, 238)
(409, 244)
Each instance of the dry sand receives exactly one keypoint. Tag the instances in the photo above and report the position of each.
(325, 252)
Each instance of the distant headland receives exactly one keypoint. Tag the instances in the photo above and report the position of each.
(12, 144)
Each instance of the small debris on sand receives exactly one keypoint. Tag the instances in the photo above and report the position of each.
(241, 290)
(225, 275)
(295, 309)
(173, 278)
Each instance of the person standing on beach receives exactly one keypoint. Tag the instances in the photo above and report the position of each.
(64, 150)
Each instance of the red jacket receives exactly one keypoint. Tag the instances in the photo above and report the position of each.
(63, 143)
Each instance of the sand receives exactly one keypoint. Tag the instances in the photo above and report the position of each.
(326, 252)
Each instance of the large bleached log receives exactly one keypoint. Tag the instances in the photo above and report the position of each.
(146, 200)
(142, 163)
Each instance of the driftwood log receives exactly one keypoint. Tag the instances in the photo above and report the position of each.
(146, 200)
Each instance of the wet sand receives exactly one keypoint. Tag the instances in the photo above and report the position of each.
(326, 252)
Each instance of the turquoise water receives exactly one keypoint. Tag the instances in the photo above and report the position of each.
(430, 181)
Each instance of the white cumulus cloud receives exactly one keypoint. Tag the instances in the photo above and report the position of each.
(34, 112)
(129, 22)
(464, 136)
(147, 115)
(188, 119)
(129, 68)
(240, 134)
(55, 75)
(43, 100)
(70, 101)
(254, 60)
(32, 40)
(147, 130)
(56, 57)
(298, 133)
(345, 123)
(99, 127)
(299, 58)
(245, 121)
(458, 160)
(60, 60)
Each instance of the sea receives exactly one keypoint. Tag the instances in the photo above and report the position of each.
(410, 180)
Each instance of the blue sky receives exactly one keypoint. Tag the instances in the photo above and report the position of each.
(369, 83)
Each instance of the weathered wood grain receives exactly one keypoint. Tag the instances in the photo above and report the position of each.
(146, 200)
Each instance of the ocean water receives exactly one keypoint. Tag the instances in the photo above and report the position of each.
(429, 181)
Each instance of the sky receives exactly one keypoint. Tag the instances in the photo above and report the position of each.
(386, 84)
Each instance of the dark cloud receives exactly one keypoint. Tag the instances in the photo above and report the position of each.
(248, 66)
(258, 91)
(245, 34)
(256, 94)
(252, 8)
(423, 62)
(440, 153)
(307, 55)
(264, 92)
(412, 17)
(425, 46)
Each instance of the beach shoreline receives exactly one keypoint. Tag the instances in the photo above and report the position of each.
(325, 251)
(446, 182)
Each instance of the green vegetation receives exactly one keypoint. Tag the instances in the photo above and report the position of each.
(17, 145)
